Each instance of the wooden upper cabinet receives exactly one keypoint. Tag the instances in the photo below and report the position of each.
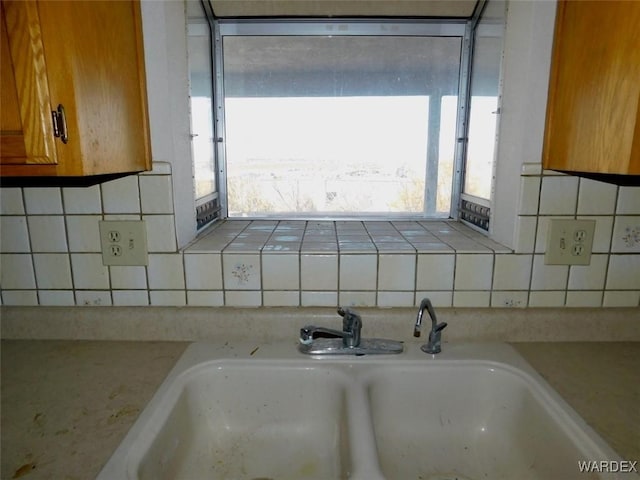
(84, 59)
(593, 111)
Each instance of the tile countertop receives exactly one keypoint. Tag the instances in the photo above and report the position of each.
(66, 405)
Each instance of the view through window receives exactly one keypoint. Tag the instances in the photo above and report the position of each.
(484, 106)
(334, 125)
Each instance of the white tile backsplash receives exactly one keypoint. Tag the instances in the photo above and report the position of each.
(88, 271)
(473, 272)
(318, 299)
(584, 299)
(396, 299)
(548, 277)
(205, 298)
(602, 234)
(547, 299)
(471, 299)
(48, 234)
(628, 201)
(165, 272)
(236, 298)
(396, 272)
(525, 235)
(614, 298)
(14, 234)
(155, 194)
(20, 297)
(93, 298)
(241, 271)
(11, 202)
(357, 299)
(128, 277)
(558, 195)
(596, 198)
(167, 298)
(319, 272)
(542, 231)
(17, 271)
(589, 277)
(438, 299)
(358, 272)
(56, 297)
(130, 298)
(203, 271)
(623, 272)
(53, 270)
(160, 233)
(121, 195)
(83, 200)
(43, 201)
(280, 271)
(275, 298)
(435, 272)
(83, 233)
(529, 195)
(512, 272)
(509, 299)
(626, 234)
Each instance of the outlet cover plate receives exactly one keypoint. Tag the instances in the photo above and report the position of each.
(569, 242)
(124, 242)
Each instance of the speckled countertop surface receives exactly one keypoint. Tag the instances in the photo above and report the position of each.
(66, 405)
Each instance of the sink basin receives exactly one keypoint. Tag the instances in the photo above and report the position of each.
(472, 412)
(235, 420)
(472, 420)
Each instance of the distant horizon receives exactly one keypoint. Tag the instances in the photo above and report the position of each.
(343, 140)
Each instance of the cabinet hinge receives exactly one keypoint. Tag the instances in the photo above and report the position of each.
(60, 124)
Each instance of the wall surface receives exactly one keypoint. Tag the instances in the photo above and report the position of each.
(50, 255)
(50, 247)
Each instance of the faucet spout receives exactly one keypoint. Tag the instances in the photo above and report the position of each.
(425, 304)
(346, 341)
(350, 333)
(309, 332)
(435, 335)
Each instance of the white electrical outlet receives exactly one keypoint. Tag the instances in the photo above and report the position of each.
(124, 242)
(569, 242)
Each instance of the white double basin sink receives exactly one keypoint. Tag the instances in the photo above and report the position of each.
(472, 412)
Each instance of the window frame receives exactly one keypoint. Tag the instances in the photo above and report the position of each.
(473, 210)
(460, 28)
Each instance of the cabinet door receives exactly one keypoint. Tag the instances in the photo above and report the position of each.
(86, 56)
(26, 129)
(96, 71)
(594, 96)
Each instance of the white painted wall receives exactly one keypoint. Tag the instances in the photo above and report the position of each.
(165, 45)
(527, 60)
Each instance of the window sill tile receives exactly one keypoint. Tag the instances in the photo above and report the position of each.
(245, 236)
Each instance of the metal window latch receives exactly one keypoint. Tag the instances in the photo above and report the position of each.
(60, 124)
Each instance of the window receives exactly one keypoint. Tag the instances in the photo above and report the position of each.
(348, 118)
(484, 109)
(199, 47)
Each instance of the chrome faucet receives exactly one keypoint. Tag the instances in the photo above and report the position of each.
(435, 335)
(314, 341)
(350, 334)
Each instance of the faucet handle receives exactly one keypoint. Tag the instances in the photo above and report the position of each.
(440, 327)
(351, 323)
(433, 346)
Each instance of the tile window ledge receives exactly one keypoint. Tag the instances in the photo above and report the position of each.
(343, 237)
